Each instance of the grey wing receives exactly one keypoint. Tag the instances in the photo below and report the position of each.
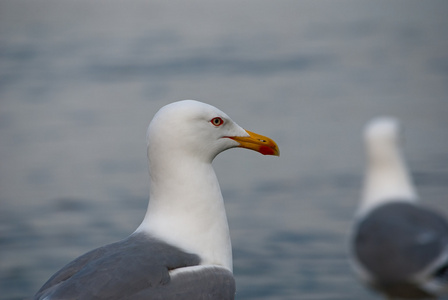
(70, 269)
(208, 283)
(117, 270)
(399, 239)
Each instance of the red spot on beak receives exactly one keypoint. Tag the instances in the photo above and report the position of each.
(265, 150)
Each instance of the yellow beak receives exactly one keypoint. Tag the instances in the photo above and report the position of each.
(257, 142)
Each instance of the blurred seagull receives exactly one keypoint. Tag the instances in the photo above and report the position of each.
(399, 248)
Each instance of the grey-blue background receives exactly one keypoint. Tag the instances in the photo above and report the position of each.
(80, 81)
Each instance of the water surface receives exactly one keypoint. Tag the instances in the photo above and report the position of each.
(80, 81)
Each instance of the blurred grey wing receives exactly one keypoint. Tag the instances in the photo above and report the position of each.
(400, 239)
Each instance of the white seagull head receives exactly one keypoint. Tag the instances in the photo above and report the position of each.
(197, 129)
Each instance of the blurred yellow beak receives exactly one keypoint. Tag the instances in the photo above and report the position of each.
(257, 142)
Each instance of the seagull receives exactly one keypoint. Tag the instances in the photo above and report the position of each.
(399, 248)
(182, 249)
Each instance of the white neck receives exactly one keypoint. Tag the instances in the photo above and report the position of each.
(186, 209)
(387, 178)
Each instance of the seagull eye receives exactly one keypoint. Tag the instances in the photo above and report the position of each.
(217, 121)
